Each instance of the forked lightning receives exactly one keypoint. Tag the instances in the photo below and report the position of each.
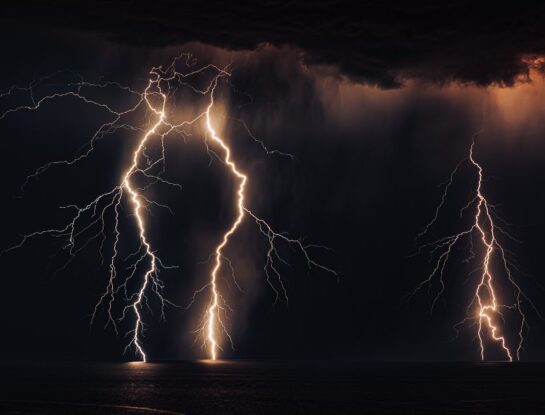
(145, 170)
(494, 269)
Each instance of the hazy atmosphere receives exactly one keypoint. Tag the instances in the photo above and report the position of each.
(326, 181)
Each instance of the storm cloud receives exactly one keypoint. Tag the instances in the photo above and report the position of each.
(378, 43)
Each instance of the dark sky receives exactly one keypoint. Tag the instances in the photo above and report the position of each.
(377, 102)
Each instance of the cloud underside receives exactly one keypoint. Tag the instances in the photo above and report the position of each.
(379, 43)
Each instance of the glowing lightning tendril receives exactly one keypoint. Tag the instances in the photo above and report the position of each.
(485, 307)
(213, 308)
(217, 304)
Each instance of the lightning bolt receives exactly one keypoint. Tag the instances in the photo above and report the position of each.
(149, 167)
(485, 307)
(212, 312)
(212, 322)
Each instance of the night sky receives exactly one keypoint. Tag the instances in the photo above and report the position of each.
(378, 104)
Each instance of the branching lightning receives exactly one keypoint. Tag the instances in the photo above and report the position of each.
(487, 308)
(212, 322)
(145, 170)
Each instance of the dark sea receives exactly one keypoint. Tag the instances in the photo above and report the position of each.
(271, 387)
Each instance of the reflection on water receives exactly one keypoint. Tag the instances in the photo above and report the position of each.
(249, 387)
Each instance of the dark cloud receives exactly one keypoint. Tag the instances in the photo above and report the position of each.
(381, 43)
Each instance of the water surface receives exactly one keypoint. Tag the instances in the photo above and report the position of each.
(259, 387)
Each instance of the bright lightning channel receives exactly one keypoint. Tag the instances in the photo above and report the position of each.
(213, 321)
